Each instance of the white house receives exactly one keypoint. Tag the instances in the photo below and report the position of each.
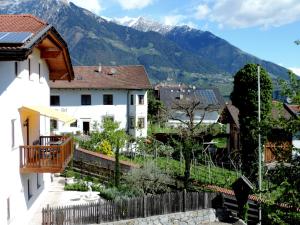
(118, 92)
(31, 53)
(178, 98)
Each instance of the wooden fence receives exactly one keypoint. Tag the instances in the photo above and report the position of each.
(127, 208)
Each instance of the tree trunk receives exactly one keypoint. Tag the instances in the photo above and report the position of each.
(187, 172)
(117, 167)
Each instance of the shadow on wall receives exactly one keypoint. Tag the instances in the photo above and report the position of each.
(33, 186)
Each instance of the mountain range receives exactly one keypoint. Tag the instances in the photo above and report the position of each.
(172, 54)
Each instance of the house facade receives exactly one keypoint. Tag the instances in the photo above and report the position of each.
(116, 92)
(175, 99)
(31, 53)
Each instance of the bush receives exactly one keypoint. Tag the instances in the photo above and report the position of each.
(148, 179)
(105, 148)
(79, 186)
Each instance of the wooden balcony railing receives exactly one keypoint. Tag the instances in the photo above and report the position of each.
(52, 155)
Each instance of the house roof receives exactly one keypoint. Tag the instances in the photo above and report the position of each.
(208, 96)
(44, 37)
(278, 110)
(234, 113)
(109, 77)
(21, 23)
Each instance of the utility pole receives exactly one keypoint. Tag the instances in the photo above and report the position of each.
(259, 147)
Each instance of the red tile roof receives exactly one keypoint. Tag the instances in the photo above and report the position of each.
(60, 67)
(21, 23)
(110, 77)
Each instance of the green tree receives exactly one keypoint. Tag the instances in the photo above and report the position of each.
(155, 108)
(117, 138)
(291, 88)
(245, 97)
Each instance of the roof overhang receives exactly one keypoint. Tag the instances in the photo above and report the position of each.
(53, 49)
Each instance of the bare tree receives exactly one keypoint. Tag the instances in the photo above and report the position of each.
(185, 110)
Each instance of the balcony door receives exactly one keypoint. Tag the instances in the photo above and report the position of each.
(26, 124)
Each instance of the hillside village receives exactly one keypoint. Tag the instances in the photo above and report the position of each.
(88, 144)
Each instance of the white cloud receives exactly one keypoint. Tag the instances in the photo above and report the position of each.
(173, 20)
(250, 13)
(295, 70)
(134, 4)
(202, 11)
(91, 5)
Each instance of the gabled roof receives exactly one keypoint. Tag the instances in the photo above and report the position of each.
(44, 37)
(208, 96)
(109, 77)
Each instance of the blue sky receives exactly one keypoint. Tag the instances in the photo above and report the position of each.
(264, 28)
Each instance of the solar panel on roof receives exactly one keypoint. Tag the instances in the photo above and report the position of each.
(209, 96)
(14, 37)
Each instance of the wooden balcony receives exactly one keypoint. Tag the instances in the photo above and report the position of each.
(52, 155)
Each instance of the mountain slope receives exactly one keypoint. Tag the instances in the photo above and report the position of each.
(180, 54)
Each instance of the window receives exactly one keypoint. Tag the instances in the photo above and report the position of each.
(16, 69)
(141, 123)
(39, 71)
(108, 100)
(131, 99)
(29, 193)
(131, 122)
(85, 99)
(8, 209)
(54, 100)
(74, 124)
(38, 182)
(53, 124)
(29, 68)
(13, 134)
(141, 99)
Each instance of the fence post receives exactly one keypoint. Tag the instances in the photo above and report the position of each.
(48, 214)
(184, 199)
(205, 200)
(145, 206)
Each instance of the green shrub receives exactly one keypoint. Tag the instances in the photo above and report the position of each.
(105, 148)
(79, 186)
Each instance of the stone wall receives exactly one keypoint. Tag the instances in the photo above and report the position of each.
(182, 218)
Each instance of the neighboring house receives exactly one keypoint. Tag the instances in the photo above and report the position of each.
(295, 112)
(31, 53)
(209, 109)
(278, 143)
(117, 92)
(230, 116)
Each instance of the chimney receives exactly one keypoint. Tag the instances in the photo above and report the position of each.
(99, 68)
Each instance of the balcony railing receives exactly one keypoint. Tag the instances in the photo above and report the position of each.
(51, 155)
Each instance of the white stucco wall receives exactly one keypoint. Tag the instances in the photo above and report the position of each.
(15, 92)
(210, 117)
(70, 102)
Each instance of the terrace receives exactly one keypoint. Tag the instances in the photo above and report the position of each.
(51, 154)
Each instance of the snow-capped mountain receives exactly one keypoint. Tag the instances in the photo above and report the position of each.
(185, 54)
(143, 24)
